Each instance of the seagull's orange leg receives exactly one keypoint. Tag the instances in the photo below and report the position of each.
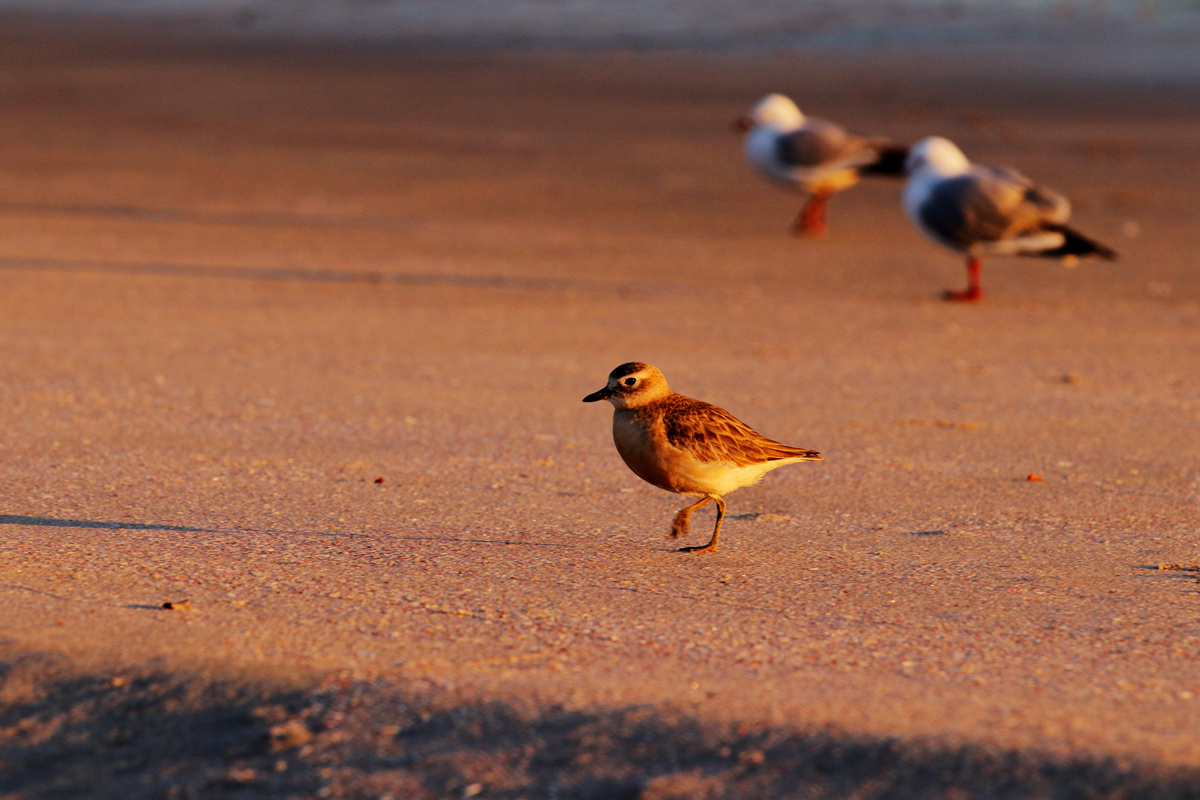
(712, 543)
(974, 291)
(811, 219)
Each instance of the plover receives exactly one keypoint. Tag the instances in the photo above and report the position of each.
(813, 155)
(987, 211)
(687, 446)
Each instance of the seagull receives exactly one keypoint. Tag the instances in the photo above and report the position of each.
(813, 155)
(987, 211)
(687, 446)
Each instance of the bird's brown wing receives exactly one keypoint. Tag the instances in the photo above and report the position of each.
(712, 434)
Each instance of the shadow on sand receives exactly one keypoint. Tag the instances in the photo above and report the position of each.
(379, 277)
(148, 734)
(53, 522)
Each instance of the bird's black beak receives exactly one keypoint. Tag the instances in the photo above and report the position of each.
(603, 394)
(743, 124)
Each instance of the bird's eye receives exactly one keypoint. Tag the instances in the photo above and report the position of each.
(630, 381)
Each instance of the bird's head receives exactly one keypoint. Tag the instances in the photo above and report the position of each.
(775, 111)
(937, 156)
(632, 385)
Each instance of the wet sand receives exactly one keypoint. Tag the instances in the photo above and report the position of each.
(240, 286)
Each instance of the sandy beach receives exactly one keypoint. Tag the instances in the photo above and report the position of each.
(295, 340)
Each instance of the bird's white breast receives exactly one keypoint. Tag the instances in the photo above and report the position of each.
(916, 192)
(722, 477)
(762, 151)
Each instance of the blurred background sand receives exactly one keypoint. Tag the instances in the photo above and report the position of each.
(247, 271)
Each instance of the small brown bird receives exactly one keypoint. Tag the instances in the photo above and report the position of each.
(687, 446)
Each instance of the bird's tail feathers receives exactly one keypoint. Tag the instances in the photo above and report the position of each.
(787, 451)
(890, 161)
(1076, 244)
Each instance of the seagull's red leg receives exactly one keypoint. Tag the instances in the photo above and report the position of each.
(811, 220)
(974, 290)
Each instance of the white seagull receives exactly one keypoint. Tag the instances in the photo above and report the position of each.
(987, 211)
(813, 155)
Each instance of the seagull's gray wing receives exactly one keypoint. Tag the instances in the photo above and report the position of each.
(988, 205)
(1047, 205)
(818, 142)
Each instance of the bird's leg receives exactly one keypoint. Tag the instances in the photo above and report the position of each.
(680, 527)
(811, 219)
(974, 290)
(711, 547)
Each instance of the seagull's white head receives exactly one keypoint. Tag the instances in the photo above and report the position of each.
(937, 156)
(632, 385)
(775, 111)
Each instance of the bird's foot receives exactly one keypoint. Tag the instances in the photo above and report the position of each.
(711, 547)
(971, 295)
(679, 527)
(809, 228)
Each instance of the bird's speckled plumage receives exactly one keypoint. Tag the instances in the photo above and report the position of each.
(685, 445)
